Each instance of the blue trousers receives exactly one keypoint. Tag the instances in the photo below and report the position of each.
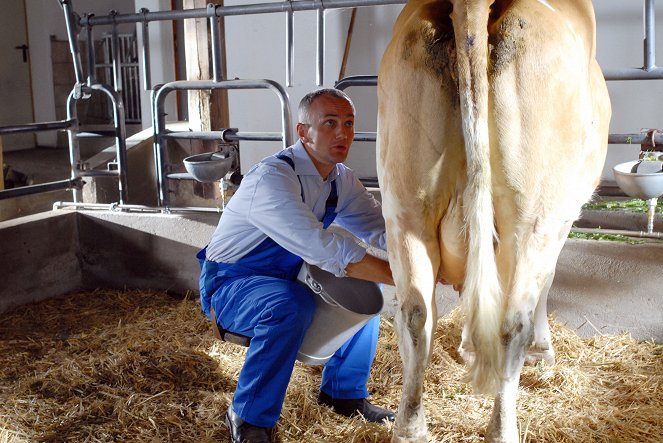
(276, 313)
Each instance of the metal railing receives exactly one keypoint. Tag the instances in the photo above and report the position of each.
(84, 87)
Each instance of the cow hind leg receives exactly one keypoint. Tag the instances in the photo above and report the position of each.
(415, 320)
(542, 350)
(517, 333)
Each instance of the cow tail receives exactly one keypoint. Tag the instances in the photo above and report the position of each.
(481, 290)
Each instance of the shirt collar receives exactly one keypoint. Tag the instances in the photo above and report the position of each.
(304, 165)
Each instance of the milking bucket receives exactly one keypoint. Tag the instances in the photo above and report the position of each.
(343, 306)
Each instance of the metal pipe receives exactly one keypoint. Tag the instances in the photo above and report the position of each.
(634, 139)
(91, 62)
(632, 74)
(132, 208)
(216, 43)
(120, 139)
(224, 136)
(290, 47)
(649, 38)
(96, 134)
(356, 80)
(115, 50)
(320, 52)
(72, 34)
(225, 11)
(641, 234)
(147, 74)
(74, 147)
(120, 136)
(365, 136)
(36, 127)
(42, 187)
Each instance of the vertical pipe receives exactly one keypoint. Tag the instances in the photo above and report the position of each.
(320, 54)
(91, 63)
(74, 148)
(289, 56)
(147, 74)
(649, 22)
(159, 119)
(120, 138)
(115, 48)
(216, 43)
(72, 34)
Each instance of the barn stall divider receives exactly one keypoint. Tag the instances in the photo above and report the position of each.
(86, 245)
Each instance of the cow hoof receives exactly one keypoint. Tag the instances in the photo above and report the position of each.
(537, 356)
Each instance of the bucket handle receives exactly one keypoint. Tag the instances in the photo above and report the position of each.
(319, 290)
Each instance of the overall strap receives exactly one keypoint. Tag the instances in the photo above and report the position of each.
(330, 206)
(332, 200)
(291, 162)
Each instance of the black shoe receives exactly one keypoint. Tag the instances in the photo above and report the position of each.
(356, 406)
(243, 432)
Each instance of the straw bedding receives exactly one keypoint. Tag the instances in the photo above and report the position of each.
(143, 366)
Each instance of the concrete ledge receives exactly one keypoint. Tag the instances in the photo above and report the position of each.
(600, 287)
(53, 253)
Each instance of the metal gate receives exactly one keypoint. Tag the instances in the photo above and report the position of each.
(129, 85)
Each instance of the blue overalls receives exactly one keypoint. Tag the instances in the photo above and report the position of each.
(259, 297)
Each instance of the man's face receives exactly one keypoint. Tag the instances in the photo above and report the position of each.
(329, 134)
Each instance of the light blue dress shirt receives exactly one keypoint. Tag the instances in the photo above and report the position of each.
(269, 203)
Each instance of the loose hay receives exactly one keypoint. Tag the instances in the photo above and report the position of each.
(143, 366)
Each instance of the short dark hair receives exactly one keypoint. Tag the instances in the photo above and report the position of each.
(303, 112)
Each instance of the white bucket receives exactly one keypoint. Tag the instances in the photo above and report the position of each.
(343, 306)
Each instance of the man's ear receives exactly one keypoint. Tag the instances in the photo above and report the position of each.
(301, 132)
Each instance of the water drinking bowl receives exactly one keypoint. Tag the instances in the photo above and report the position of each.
(209, 166)
(640, 179)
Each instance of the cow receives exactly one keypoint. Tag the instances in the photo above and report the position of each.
(493, 120)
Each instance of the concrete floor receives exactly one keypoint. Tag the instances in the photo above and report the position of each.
(600, 287)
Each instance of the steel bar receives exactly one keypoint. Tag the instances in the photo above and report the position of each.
(72, 34)
(290, 47)
(36, 127)
(115, 51)
(632, 74)
(641, 234)
(120, 139)
(74, 146)
(356, 80)
(145, 32)
(96, 134)
(649, 37)
(132, 208)
(91, 62)
(224, 136)
(42, 187)
(320, 47)
(634, 139)
(215, 31)
(225, 11)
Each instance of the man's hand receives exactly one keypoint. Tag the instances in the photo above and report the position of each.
(372, 269)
